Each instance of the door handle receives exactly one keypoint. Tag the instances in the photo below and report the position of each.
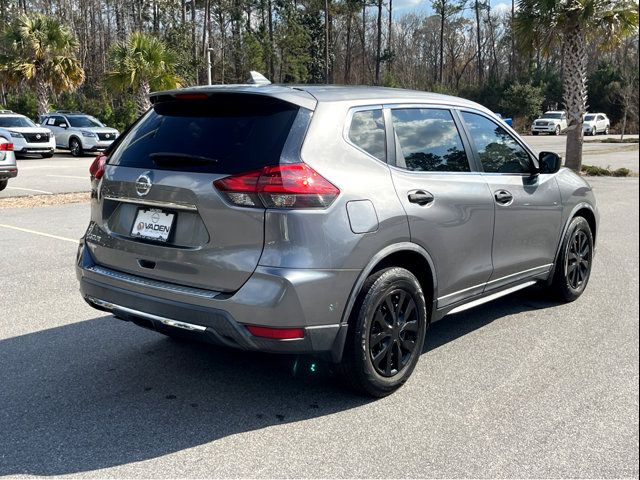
(503, 197)
(420, 197)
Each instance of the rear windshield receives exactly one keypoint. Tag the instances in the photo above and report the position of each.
(588, 118)
(226, 134)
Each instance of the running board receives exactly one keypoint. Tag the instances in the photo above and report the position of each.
(112, 307)
(491, 297)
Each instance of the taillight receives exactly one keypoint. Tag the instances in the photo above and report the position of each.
(6, 147)
(284, 186)
(97, 167)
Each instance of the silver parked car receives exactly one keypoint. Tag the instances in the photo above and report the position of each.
(595, 123)
(338, 221)
(79, 132)
(8, 165)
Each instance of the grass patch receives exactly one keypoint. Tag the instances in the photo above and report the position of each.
(613, 140)
(594, 171)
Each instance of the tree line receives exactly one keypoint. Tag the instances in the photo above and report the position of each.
(103, 56)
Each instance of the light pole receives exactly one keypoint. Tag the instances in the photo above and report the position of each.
(209, 65)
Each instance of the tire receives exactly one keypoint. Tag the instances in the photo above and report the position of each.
(3, 184)
(46, 155)
(76, 147)
(379, 329)
(606, 130)
(576, 251)
(594, 132)
(534, 133)
(557, 131)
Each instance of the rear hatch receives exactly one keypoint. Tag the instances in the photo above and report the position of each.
(158, 213)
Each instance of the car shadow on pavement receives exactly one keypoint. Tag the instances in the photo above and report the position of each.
(103, 393)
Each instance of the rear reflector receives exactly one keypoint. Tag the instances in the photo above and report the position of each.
(294, 185)
(6, 147)
(276, 333)
(97, 167)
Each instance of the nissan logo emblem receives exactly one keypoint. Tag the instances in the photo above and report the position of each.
(38, 136)
(143, 185)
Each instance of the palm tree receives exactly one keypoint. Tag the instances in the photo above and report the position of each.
(40, 51)
(142, 63)
(570, 24)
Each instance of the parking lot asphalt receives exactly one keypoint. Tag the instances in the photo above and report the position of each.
(64, 174)
(521, 387)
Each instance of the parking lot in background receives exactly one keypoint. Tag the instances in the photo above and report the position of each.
(521, 387)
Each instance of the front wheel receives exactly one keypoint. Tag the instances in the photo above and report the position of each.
(46, 155)
(76, 147)
(3, 184)
(557, 131)
(594, 132)
(573, 266)
(534, 133)
(387, 333)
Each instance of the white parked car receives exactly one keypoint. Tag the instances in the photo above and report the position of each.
(27, 137)
(554, 122)
(595, 123)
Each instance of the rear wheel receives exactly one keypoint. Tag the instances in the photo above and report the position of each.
(534, 133)
(387, 334)
(606, 130)
(76, 147)
(573, 267)
(3, 184)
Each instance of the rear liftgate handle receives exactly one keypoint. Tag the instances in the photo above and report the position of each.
(420, 197)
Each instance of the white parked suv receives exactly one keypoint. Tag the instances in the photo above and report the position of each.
(78, 131)
(595, 123)
(27, 137)
(554, 122)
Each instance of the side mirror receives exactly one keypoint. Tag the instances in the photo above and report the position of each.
(549, 162)
(64, 125)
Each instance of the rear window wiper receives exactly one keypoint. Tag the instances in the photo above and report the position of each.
(168, 158)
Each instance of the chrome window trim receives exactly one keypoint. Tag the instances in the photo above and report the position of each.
(347, 127)
(152, 203)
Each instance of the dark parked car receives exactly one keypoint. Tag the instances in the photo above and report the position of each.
(337, 221)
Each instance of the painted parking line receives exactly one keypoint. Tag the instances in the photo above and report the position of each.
(30, 190)
(85, 177)
(34, 232)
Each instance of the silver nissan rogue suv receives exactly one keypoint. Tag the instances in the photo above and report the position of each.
(336, 221)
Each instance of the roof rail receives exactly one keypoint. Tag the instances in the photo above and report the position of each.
(66, 111)
(6, 111)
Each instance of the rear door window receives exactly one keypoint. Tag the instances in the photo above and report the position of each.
(367, 132)
(226, 134)
(427, 140)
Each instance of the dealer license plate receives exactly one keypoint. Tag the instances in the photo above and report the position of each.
(153, 224)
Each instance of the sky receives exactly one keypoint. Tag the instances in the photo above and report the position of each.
(407, 6)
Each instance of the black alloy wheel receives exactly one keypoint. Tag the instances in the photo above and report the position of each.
(578, 260)
(393, 333)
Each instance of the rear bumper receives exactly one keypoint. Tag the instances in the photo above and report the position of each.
(278, 298)
(8, 172)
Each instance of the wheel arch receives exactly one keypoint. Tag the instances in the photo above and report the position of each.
(406, 255)
(74, 137)
(586, 211)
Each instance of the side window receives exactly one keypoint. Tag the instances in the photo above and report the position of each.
(499, 152)
(367, 132)
(51, 121)
(600, 117)
(61, 121)
(428, 141)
